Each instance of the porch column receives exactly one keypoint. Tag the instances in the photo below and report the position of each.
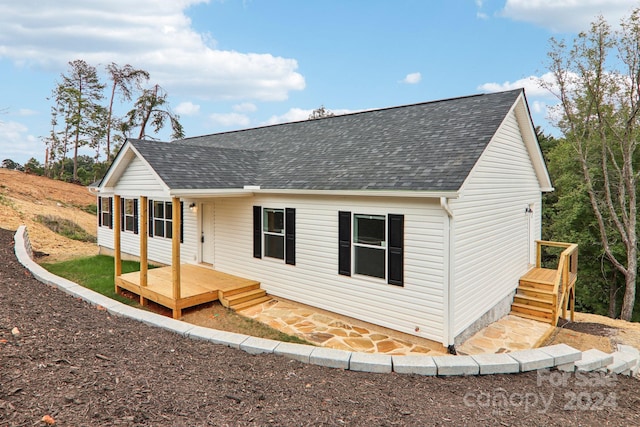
(143, 245)
(175, 250)
(116, 240)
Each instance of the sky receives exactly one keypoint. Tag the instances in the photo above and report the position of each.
(236, 64)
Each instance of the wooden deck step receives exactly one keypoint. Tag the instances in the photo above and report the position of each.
(251, 303)
(546, 302)
(255, 285)
(532, 317)
(241, 297)
(530, 308)
(535, 290)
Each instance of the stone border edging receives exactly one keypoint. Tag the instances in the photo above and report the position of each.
(625, 361)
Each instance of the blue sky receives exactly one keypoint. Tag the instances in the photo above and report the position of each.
(235, 64)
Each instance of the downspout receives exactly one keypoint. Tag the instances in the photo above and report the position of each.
(448, 275)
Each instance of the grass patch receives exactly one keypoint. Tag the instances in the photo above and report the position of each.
(66, 228)
(95, 273)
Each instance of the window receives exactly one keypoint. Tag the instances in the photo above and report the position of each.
(129, 215)
(162, 219)
(373, 246)
(274, 233)
(105, 207)
(273, 228)
(369, 245)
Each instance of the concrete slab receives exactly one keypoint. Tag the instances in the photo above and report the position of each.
(255, 345)
(456, 365)
(419, 365)
(622, 362)
(173, 325)
(299, 352)
(500, 363)
(123, 310)
(562, 353)
(330, 357)
(567, 367)
(215, 336)
(592, 360)
(533, 359)
(370, 362)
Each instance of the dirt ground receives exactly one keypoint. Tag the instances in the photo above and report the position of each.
(66, 362)
(24, 196)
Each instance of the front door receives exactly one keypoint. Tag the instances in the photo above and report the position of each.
(208, 226)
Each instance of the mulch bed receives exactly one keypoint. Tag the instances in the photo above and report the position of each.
(83, 367)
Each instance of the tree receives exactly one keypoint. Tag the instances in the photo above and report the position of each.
(152, 108)
(10, 164)
(33, 166)
(597, 82)
(320, 113)
(123, 80)
(78, 96)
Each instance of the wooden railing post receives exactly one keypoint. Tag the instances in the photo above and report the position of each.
(143, 246)
(175, 250)
(117, 256)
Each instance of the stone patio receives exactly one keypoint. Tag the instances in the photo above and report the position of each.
(332, 330)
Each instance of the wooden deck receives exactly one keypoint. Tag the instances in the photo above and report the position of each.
(198, 285)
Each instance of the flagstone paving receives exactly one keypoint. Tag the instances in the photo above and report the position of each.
(332, 330)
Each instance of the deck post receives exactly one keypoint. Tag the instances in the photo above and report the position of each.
(117, 256)
(143, 245)
(175, 251)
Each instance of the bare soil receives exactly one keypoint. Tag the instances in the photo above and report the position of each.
(23, 197)
(79, 366)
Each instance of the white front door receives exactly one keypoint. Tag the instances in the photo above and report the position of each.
(208, 225)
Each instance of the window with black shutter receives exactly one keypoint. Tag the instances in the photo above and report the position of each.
(371, 245)
(274, 233)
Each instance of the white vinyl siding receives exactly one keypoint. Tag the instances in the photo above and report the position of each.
(314, 280)
(491, 226)
(158, 248)
(138, 180)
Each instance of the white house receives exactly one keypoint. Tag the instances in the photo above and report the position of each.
(420, 218)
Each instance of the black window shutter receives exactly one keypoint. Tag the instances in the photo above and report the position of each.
(290, 236)
(396, 250)
(110, 212)
(100, 211)
(181, 221)
(135, 216)
(150, 221)
(122, 213)
(257, 232)
(344, 243)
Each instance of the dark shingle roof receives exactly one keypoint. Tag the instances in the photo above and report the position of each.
(423, 147)
(193, 167)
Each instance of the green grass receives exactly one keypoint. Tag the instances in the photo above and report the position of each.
(66, 228)
(95, 273)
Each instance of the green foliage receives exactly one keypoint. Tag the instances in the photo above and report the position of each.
(33, 166)
(66, 228)
(11, 165)
(96, 273)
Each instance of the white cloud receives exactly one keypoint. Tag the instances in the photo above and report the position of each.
(299, 114)
(155, 35)
(412, 78)
(482, 15)
(245, 107)
(567, 15)
(187, 108)
(230, 119)
(530, 84)
(27, 112)
(17, 144)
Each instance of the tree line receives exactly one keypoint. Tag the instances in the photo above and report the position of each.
(83, 115)
(595, 164)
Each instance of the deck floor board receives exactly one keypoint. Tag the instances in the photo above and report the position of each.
(198, 285)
